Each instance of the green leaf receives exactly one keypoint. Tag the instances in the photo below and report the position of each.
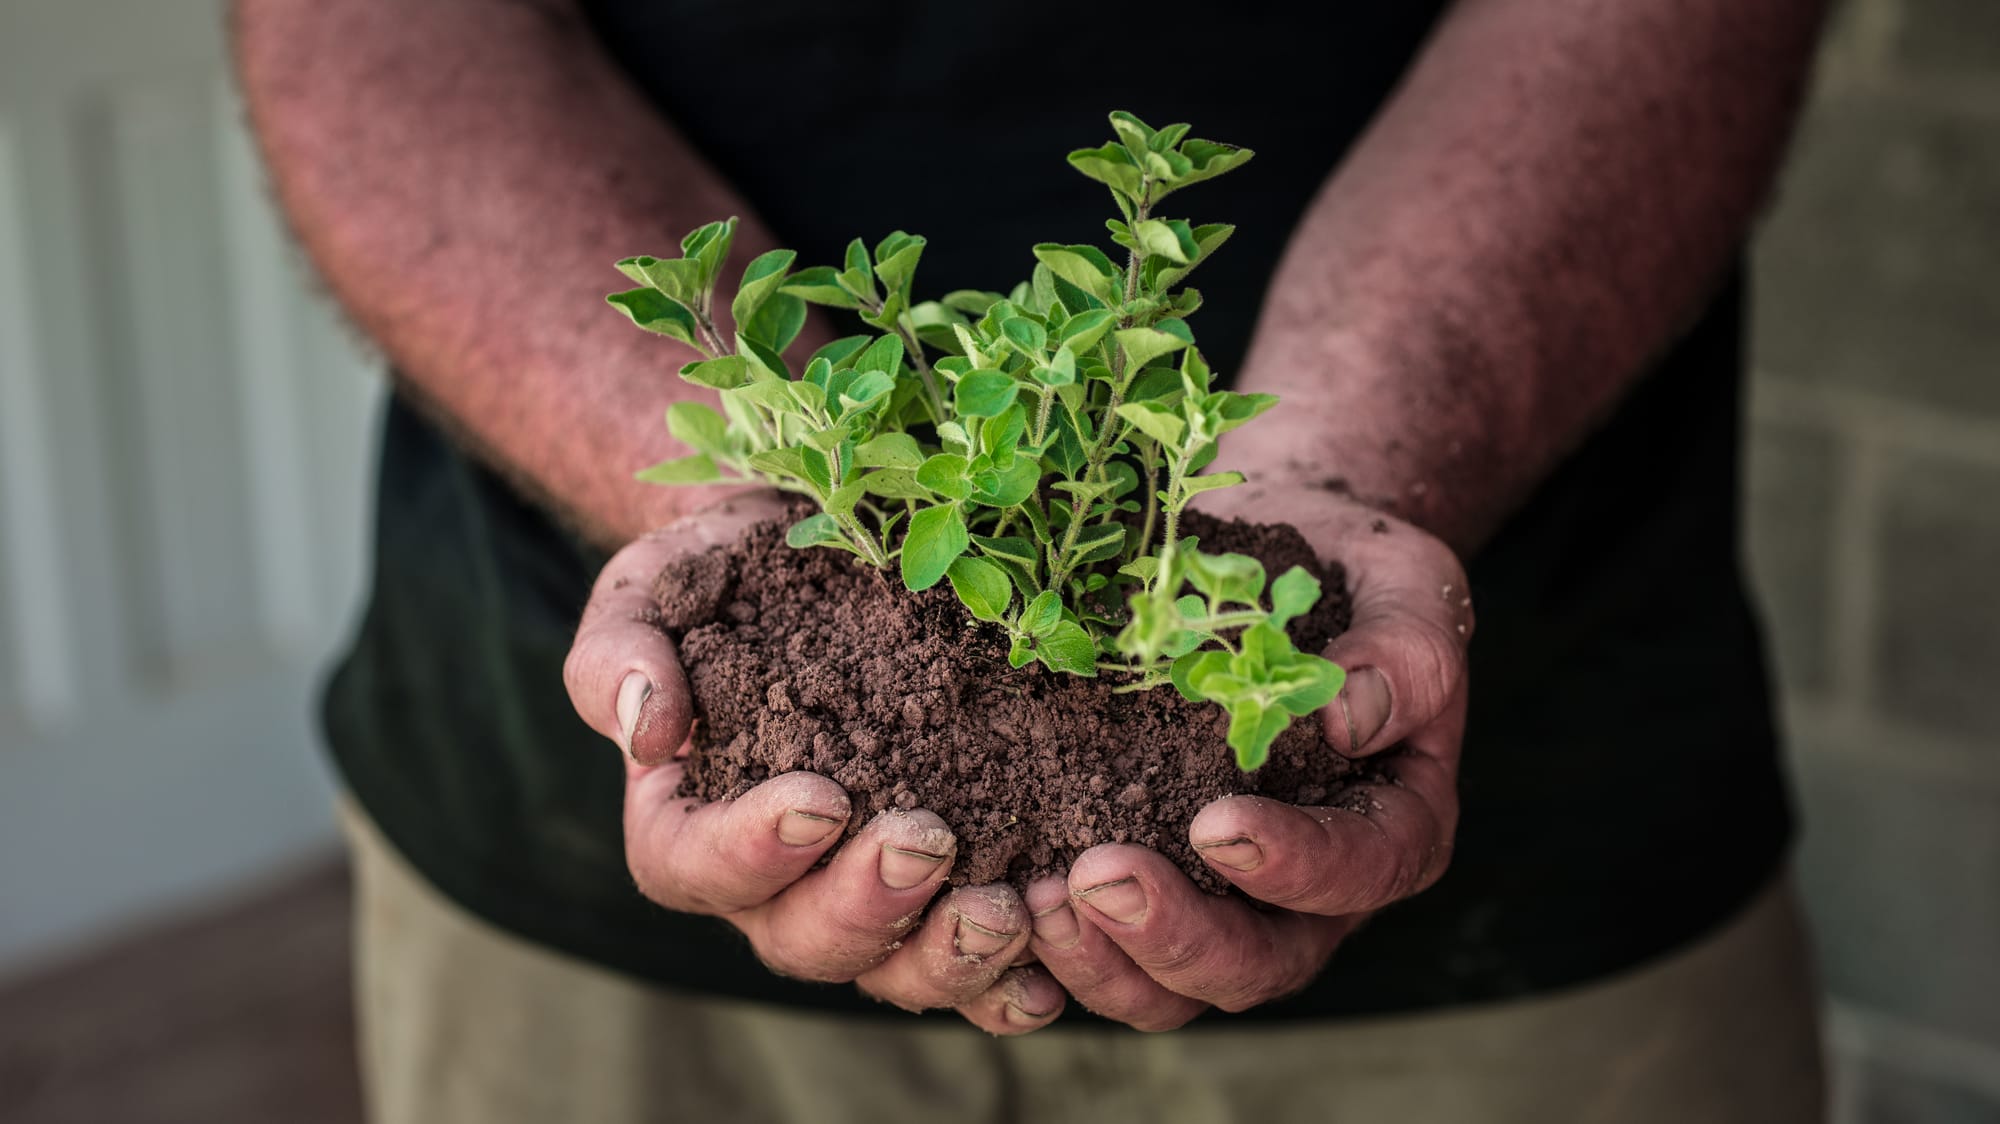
(1228, 410)
(1155, 421)
(1143, 345)
(1142, 568)
(1067, 647)
(1025, 334)
(842, 351)
(1013, 484)
(900, 264)
(1081, 332)
(1084, 266)
(1191, 672)
(895, 484)
(1041, 615)
(761, 279)
(1253, 726)
(697, 469)
(889, 450)
(981, 586)
(1195, 485)
(651, 310)
(1099, 543)
(817, 529)
(936, 538)
(1111, 166)
(763, 361)
(779, 462)
(1011, 548)
(726, 373)
(1060, 370)
(1236, 578)
(1021, 654)
(1155, 236)
(777, 322)
(944, 473)
(698, 427)
(985, 394)
(1326, 678)
(676, 278)
(863, 390)
(884, 355)
(819, 285)
(1295, 591)
(709, 245)
(859, 276)
(1210, 160)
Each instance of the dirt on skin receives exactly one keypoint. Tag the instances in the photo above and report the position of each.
(809, 659)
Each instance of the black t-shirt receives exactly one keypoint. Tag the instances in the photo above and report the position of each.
(1621, 790)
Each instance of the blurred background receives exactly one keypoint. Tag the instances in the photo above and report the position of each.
(184, 464)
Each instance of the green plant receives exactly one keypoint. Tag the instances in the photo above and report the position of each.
(1040, 464)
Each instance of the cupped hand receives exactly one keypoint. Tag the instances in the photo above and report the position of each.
(867, 914)
(1131, 938)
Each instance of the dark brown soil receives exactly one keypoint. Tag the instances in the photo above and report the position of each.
(808, 659)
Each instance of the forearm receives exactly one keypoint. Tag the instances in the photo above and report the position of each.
(1539, 209)
(463, 173)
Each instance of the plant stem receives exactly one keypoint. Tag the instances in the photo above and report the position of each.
(915, 347)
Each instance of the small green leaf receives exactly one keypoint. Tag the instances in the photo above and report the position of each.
(819, 285)
(981, 586)
(1155, 421)
(652, 311)
(1099, 543)
(1326, 677)
(698, 427)
(1253, 726)
(944, 473)
(1110, 165)
(884, 355)
(697, 469)
(1086, 267)
(777, 322)
(780, 462)
(936, 538)
(1011, 548)
(814, 530)
(986, 393)
(1156, 237)
(726, 373)
(1236, 578)
(1011, 485)
(1067, 647)
(895, 484)
(1195, 485)
(1192, 670)
(1142, 568)
(1292, 594)
(1025, 334)
(889, 450)
(896, 269)
(1042, 614)
(1143, 345)
(1081, 332)
(1021, 654)
(761, 279)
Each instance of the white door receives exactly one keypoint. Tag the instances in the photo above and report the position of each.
(184, 433)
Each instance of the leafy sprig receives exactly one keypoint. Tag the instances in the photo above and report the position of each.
(1040, 463)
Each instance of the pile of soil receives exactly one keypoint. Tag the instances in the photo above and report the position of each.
(810, 659)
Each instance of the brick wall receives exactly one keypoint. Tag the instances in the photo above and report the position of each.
(1874, 539)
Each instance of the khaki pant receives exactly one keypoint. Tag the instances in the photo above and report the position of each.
(464, 1024)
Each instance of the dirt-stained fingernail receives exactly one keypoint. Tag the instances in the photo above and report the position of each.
(1236, 854)
(976, 940)
(633, 692)
(903, 868)
(1123, 900)
(1365, 704)
(803, 829)
(1056, 926)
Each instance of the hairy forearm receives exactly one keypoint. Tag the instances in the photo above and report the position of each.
(1539, 209)
(463, 173)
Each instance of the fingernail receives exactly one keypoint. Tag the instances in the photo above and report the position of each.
(1123, 901)
(1364, 702)
(1020, 1016)
(1057, 925)
(976, 940)
(902, 869)
(803, 829)
(632, 695)
(1236, 854)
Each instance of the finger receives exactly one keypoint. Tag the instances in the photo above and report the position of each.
(1214, 949)
(1094, 970)
(851, 914)
(624, 677)
(732, 854)
(1404, 650)
(1024, 999)
(1387, 842)
(968, 939)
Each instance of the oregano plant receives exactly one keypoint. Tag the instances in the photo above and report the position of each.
(1034, 449)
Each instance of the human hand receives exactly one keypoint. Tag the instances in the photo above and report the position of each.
(751, 861)
(1131, 938)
